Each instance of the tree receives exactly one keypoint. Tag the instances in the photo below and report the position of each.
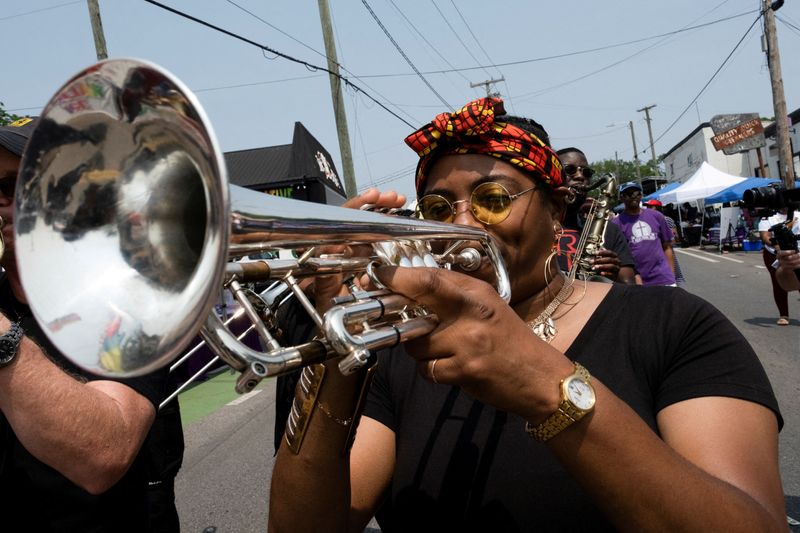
(625, 170)
(6, 117)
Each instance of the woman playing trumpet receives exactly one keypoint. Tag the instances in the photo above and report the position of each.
(572, 407)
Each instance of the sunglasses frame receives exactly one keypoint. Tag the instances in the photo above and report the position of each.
(452, 205)
(591, 171)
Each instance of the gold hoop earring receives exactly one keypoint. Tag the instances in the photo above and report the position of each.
(548, 263)
(558, 232)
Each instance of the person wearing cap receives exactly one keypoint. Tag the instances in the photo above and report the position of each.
(569, 407)
(649, 237)
(70, 442)
(614, 261)
(653, 203)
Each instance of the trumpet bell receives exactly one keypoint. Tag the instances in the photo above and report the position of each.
(125, 224)
(122, 216)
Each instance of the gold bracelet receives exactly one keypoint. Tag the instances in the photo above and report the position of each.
(344, 422)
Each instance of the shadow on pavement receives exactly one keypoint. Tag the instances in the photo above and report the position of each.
(765, 322)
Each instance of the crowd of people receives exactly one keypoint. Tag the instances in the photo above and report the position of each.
(576, 405)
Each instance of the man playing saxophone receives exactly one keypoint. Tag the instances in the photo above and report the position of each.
(614, 261)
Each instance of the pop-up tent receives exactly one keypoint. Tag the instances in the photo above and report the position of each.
(705, 182)
(665, 189)
(735, 193)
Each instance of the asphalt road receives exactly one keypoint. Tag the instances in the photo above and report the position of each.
(224, 483)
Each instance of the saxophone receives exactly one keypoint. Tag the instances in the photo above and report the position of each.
(591, 241)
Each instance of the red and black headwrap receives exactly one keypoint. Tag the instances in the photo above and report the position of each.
(477, 128)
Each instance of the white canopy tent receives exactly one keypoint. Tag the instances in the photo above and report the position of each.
(706, 181)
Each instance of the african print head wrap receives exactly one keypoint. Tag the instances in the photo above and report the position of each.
(477, 128)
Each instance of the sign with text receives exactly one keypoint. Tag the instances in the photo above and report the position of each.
(737, 133)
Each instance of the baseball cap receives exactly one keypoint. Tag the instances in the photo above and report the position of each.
(14, 136)
(654, 202)
(628, 185)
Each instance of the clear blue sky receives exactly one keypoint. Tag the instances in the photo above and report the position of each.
(254, 98)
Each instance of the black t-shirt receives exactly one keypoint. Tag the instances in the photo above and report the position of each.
(464, 466)
(37, 496)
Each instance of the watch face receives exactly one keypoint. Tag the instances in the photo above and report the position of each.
(580, 393)
(6, 347)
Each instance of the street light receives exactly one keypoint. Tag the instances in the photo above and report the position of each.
(635, 152)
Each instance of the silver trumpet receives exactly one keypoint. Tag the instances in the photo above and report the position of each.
(127, 230)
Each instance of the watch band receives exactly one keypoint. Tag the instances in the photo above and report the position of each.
(9, 343)
(566, 414)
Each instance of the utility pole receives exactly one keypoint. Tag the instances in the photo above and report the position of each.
(635, 154)
(338, 101)
(487, 84)
(650, 132)
(97, 30)
(786, 164)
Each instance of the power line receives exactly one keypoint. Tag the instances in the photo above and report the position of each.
(321, 54)
(393, 176)
(425, 40)
(475, 38)
(600, 134)
(360, 136)
(469, 29)
(719, 69)
(663, 39)
(565, 54)
(306, 64)
(209, 89)
(788, 23)
(446, 21)
(40, 10)
(298, 41)
(402, 53)
(240, 85)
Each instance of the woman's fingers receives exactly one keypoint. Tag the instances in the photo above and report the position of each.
(376, 198)
(445, 292)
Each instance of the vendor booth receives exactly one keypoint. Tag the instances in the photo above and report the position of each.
(703, 183)
(657, 195)
(706, 181)
(735, 192)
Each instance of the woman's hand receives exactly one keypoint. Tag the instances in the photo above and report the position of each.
(327, 287)
(480, 344)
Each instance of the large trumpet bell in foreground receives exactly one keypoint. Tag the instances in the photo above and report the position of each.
(122, 218)
(124, 228)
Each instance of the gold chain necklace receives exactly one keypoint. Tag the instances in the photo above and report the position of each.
(544, 326)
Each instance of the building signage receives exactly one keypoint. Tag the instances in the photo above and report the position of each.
(284, 192)
(737, 133)
(327, 169)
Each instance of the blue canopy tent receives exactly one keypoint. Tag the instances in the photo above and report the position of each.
(735, 192)
(659, 192)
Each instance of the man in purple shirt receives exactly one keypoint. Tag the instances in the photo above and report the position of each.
(649, 237)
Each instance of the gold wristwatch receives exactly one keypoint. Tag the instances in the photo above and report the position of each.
(577, 400)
